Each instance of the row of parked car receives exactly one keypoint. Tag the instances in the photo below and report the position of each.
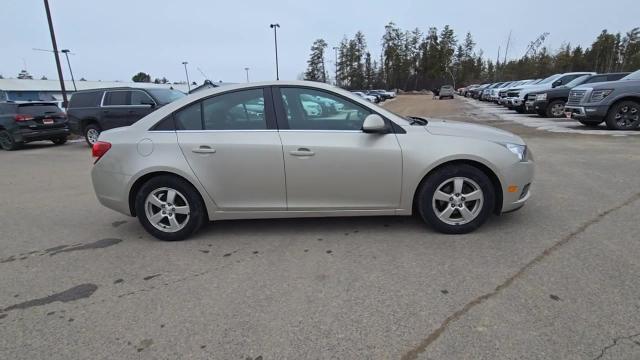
(92, 111)
(375, 96)
(588, 97)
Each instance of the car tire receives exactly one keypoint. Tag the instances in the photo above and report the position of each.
(91, 133)
(165, 218)
(447, 207)
(60, 140)
(590, 123)
(519, 110)
(624, 115)
(552, 109)
(7, 142)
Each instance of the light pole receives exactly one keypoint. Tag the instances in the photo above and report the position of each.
(247, 70)
(187, 74)
(452, 78)
(335, 48)
(275, 40)
(66, 54)
(55, 53)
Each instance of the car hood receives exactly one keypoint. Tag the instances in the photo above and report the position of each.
(468, 130)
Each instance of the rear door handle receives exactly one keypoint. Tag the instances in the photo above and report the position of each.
(302, 152)
(204, 149)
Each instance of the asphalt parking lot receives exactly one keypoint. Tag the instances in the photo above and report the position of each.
(555, 280)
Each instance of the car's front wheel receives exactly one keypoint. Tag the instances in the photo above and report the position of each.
(555, 109)
(624, 116)
(456, 199)
(60, 140)
(169, 208)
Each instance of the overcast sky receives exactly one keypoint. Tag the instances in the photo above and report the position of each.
(115, 39)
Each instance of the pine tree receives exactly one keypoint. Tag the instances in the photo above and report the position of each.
(315, 64)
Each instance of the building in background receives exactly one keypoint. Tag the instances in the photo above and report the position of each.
(18, 90)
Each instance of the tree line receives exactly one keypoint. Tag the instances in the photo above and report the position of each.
(413, 60)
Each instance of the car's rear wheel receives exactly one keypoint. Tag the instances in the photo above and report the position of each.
(555, 109)
(624, 115)
(7, 142)
(60, 140)
(456, 199)
(91, 134)
(169, 208)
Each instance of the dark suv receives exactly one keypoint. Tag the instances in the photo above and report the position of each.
(92, 111)
(25, 122)
(550, 103)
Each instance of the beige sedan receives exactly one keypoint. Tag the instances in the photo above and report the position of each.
(258, 151)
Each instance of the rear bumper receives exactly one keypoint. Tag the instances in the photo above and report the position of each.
(27, 135)
(518, 176)
(586, 112)
(110, 189)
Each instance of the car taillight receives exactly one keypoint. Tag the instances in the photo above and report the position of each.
(23, 117)
(99, 149)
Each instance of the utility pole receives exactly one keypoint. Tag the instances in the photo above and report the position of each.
(66, 54)
(187, 73)
(55, 53)
(247, 70)
(495, 72)
(452, 78)
(335, 49)
(275, 39)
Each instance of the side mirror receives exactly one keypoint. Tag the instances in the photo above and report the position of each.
(374, 124)
(556, 83)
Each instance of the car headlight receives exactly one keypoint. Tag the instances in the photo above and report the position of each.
(599, 95)
(519, 150)
(541, 97)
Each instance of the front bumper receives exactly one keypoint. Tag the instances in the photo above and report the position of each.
(540, 105)
(514, 102)
(528, 105)
(597, 112)
(516, 188)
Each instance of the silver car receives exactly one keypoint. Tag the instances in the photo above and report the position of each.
(256, 151)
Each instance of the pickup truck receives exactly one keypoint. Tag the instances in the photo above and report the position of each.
(550, 103)
(617, 103)
(524, 103)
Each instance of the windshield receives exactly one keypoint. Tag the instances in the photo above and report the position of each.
(550, 79)
(633, 76)
(165, 96)
(577, 81)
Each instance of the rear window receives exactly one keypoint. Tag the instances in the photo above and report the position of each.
(85, 99)
(165, 96)
(38, 109)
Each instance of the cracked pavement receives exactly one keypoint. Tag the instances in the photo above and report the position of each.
(555, 280)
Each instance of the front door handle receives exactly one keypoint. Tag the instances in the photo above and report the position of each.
(302, 152)
(204, 149)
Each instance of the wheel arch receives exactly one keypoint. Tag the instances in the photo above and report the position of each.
(493, 177)
(137, 184)
(89, 120)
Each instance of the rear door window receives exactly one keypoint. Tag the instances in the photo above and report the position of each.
(117, 98)
(189, 118)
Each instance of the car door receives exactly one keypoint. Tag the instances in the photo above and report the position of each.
(141, 105)
(330, 163)
(115, 109)
(231, 142)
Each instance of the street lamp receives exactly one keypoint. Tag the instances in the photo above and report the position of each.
(335, 48)
(66, 54)
(247, 70)
(187, 73)
(275, 39)
(452, 78)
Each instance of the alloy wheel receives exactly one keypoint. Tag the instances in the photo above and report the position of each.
(6, 142)
(167, 209)
(628, 117)
(457, 201)
(92, 136)
(557, 110)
